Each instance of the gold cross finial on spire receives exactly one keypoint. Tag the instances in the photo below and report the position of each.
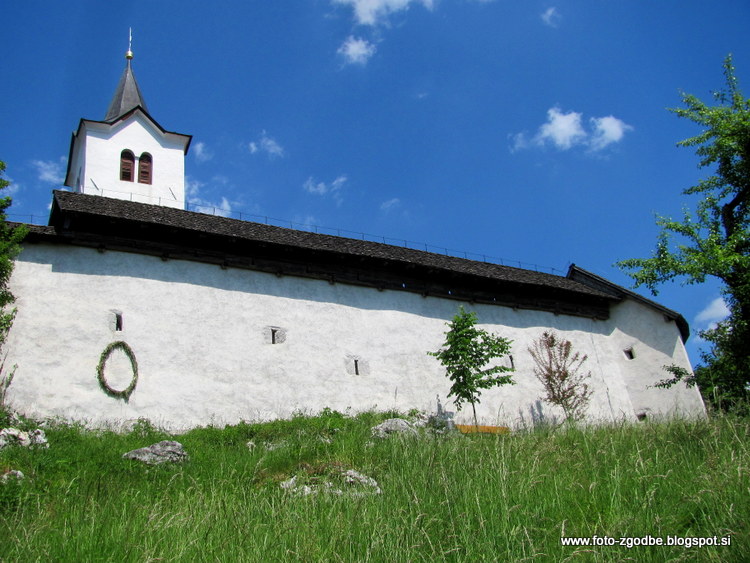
(129, 54)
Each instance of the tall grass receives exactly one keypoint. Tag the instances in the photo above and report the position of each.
(444, 498)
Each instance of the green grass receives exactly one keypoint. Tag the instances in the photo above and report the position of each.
(459, 498)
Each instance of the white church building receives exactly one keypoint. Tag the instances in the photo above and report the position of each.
(129, 306)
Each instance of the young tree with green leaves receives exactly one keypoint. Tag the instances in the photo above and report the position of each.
(10, 246)
(466, 353)
(716, 241)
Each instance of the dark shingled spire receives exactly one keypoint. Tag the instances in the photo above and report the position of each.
(127, 96)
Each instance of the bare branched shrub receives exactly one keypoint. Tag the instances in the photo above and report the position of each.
(560, 371)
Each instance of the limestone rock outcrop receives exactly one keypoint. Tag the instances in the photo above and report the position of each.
(392, 426)
(166, 451)
(15, 437)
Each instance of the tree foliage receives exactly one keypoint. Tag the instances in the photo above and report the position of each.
(10, 239)
(715, 241)
(559, 370)
(466, 355)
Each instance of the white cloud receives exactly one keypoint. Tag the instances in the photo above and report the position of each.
(714, 312)
(321, 188)
(220, 179)
(356, 51)
(373, 12)
(192, 187)
(313, 187)
(267, 145)
(607, 130)
(551, 17)
(308, 222)
(518, 141)
(565, 131)
(222, 208)
(201, 152)
(50, 171)
(12, 188)
(390, 204)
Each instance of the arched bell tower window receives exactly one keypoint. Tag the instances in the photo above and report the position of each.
(127, 164)
(145, 164)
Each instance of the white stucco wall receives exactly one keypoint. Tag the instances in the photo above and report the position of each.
(202, 340)
(96, 162)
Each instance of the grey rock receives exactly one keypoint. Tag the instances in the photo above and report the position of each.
(420, 420)
(16, 437)
(393, 426)
(289, 483)
(354, 477)
(292, 486)
(12, 474)
(166, 451)
(355, 484)
(271, 446)
(38, 439)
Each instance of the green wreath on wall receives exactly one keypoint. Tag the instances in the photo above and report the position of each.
(123, 394)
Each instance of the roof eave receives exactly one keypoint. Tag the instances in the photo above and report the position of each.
(583, 276)
(89, 220)
(184, 139)
(73, 137)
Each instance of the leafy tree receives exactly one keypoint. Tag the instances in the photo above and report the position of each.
(466, 353)
(716, 241)
(10, 239)
(558, 369)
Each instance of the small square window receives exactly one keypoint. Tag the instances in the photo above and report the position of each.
(629, 353)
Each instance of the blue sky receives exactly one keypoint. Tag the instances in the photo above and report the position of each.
(525, 131)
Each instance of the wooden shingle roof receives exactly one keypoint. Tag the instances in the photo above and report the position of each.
(115, 224)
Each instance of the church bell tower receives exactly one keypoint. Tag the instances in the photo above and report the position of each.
(128, 155)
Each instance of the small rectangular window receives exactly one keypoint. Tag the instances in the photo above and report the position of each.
(144, 168)
(356, 365)
(629, 353)
(115, 320)
(274, 335)
(127, 165)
